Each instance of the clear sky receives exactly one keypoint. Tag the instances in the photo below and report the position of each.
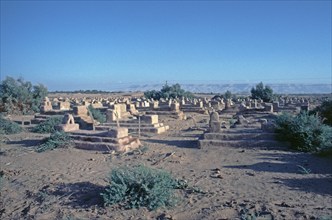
(69, 45)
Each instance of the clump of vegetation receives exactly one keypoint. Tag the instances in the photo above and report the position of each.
(56, 140)
(261, 92)
(48, 126)
(96, 114)
(140, 187)
(20, 97)
(9, 127)
(305, 132)
(324, 111)
(227, 95)
(167, 91)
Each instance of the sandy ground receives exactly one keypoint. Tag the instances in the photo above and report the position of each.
(66, 183)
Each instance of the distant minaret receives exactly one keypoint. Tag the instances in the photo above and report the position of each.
(166, 83)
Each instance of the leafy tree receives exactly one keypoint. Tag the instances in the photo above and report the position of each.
(167, 91)
(19, 96)
(228, 94)
(261, 92)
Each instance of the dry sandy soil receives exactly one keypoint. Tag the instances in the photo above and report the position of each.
(66, 183)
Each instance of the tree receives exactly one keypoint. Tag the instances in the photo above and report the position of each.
(261, 92)
(167, 91)
(19, 96)
(228, 94)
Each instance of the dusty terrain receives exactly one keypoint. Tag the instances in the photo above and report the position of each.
(66, 183)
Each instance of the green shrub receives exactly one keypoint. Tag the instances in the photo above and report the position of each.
(324, 111)
(9, 127)
(266, 94)
(304, 132)
(167, 91)
(20, 97)
(48, 125)
(56, 140)
(97, 115)
(140, 187)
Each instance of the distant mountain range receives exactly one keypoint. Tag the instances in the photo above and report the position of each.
(234, 88)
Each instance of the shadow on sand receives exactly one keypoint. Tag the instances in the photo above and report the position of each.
(322, 185)
(80, 194)
(177, 143)
(28, 142)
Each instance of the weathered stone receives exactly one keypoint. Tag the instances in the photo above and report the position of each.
(80, 110)
(150, 119)
(64, 105)
(268, 107)
(46, 106)
(68, 124)
(215, 126)
(118, 132)
(175, 107)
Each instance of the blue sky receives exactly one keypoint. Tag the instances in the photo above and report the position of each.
(95, 44)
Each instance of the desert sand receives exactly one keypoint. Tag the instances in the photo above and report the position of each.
(230, 182)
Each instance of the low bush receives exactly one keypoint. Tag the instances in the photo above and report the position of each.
(9, 127)
(56, 140)
(48, 125)
(140, 187)
(97, 115)
(324, 111)
(305, 132)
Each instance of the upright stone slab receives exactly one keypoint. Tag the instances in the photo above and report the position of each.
(64, 105)
(46, 106)
(215, 124)
(268, 107)
(175, 107)
(110, 115)
(80, 110)
(118, 132)
(150, 119)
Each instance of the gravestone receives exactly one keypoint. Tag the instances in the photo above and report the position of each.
(68, 124)
(215, 124)
(46, 106)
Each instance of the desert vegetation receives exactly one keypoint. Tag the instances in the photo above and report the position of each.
(48, 126)
(324, 111)
(261, 92)
(305, 132)
(96, 114)
(173, 91)
(56, 140)
(8, 127)
(18, 96)
(140, 187)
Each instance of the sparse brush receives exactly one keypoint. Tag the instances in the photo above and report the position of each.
(48, 126)
(304, 132)
(56, 140)
(140, 187)
(9, 127)
(97, 115)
